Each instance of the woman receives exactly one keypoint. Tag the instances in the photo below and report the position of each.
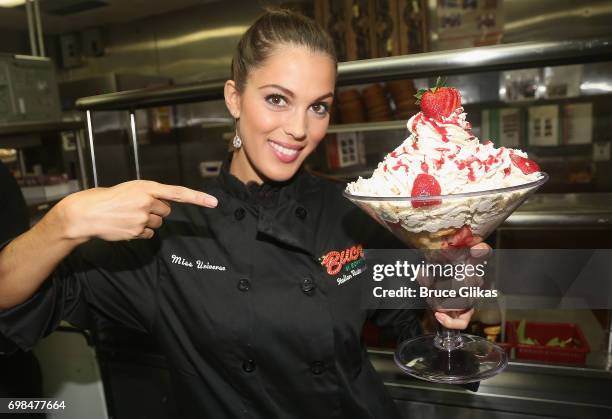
(232, 285)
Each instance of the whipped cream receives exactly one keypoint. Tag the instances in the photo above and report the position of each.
(447, 150)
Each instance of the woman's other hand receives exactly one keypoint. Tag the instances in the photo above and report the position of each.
(454, 319)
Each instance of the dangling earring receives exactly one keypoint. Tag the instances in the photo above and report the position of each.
(237, 142)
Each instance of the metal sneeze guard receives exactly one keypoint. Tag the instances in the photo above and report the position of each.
(460, 61)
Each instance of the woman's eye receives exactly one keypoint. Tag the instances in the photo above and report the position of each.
(276, 100)
(320, 108)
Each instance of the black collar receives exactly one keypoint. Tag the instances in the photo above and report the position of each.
(267, 195)
(287, 211)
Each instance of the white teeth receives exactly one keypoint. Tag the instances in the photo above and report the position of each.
(284, 150)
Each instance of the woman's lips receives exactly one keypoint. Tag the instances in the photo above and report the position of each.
(284, 152)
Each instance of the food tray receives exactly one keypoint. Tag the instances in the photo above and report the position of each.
(543, 332)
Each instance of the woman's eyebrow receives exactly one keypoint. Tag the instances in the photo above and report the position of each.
(325, 96)
(285, 90)
(291, 94)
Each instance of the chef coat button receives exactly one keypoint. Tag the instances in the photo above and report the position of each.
(248, 365)
(317, 368)
(308, 286)
(244, 285)
(300, 212)
(239, 213)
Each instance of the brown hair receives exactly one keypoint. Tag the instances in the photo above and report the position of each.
(277, 27)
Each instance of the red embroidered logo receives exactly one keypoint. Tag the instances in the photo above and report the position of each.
(335, 260)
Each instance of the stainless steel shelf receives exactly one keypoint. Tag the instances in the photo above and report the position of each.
(151, 97)
(368, 126)
(462, 61)
(476, 60)
(32, 128)
(563, 211)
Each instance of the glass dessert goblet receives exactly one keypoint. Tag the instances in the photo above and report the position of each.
(443, 228)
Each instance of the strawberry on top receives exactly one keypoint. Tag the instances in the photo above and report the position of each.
(438, 101)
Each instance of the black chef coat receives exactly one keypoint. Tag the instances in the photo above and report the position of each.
(252, 324)
(20, 374)
(13, 210)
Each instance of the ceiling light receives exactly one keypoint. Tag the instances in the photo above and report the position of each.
(11, 3)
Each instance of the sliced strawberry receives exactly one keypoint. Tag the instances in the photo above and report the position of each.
(463, 238)
(439, 101)
(526, 165)
(425, 185)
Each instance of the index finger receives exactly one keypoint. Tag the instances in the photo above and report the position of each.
(183, 194)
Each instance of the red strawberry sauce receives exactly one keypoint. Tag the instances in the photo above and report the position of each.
(401, 164)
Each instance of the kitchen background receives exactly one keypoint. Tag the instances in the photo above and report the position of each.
(561, 115)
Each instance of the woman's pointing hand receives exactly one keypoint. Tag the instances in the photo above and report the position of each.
(130, 210)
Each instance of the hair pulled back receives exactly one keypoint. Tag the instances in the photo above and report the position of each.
(277, 27)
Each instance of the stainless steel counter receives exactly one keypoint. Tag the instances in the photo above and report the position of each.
(523, 390)
(564, 210)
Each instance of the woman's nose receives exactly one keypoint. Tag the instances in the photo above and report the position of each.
(296, 125)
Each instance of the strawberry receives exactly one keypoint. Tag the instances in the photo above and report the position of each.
(438, 101)
(464, 238)
(526, 165)
(425, 185)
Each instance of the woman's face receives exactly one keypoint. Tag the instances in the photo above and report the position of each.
(283, 113)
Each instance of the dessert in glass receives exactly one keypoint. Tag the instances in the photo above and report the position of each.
(443, 191)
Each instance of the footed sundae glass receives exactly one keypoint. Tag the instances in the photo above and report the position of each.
(443, 228)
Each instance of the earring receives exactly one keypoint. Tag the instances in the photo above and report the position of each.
(237, 142)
